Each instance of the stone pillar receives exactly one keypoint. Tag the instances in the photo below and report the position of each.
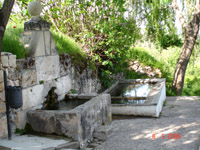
(36, 36)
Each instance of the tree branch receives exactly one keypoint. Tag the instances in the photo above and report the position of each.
(5, 12)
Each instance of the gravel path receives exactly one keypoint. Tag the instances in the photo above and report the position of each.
(180, 118)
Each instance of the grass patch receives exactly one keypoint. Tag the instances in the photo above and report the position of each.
(147, 59)
(164, 103)
(11, 41)
(65, 44)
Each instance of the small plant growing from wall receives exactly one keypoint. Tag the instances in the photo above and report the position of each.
(41, 82)
(72, 91)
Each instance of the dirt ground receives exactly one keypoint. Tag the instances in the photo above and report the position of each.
(178, 128)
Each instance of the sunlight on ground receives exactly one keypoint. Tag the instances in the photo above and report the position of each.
(172, 129)
(188, 98)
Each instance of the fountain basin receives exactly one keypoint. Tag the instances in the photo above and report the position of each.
(78, 123)
(138, 97)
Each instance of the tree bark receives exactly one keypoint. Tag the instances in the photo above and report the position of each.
(5, 12)
(191, 32)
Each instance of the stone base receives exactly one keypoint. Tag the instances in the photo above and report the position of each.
(101, 133)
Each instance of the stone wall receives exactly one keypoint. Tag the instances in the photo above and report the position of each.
(83, 78)
(37, 75)
(43, 69)
(136, 66)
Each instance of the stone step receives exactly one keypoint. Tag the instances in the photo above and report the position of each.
(102, 132)
(70, 145)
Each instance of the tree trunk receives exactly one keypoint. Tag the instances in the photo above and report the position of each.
(191, 32)
(4, 17)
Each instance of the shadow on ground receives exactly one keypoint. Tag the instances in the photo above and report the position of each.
(180, 118)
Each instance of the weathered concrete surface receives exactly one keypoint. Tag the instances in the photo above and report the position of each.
(45, 73)
(154, 100)
(78, 123)
(181, 115)
(102, 132)
(32, 142)
(32, 96)
(3, 126)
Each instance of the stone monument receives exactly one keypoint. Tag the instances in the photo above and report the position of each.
(36, 36)
(40, 44)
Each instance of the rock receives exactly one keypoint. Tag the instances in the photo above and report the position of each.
(102, 132)
(3, 127)
(69, 145)
(16, 83)
(151, 74)
(20, 119)
(10, 83)
(32, 96)
(4, 61)
(63, 85)
(12, 61)
(1, 86)
(29, 78)
(47, 67)
(2, 96)
(1, 76)
(158, 72)
(12, 74)
(93, 145)
(2, 107)
(134, 67)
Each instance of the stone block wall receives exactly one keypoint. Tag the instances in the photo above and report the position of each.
(84, 79)
(8, 64)
(41, 71)
(37, 75)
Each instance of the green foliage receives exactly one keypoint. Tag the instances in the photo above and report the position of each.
(72, 91)
(19, 131)
(28, 129)
(65, 44)
(166, 61)
(41, 82)
(191, 86)
(22, 15)
(147, 57)
(11, 41)
(164, 103)
(168, 40)
(161, 24)
(100, 28)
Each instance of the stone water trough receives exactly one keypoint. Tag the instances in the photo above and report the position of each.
(138, 97)
(77, 123)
